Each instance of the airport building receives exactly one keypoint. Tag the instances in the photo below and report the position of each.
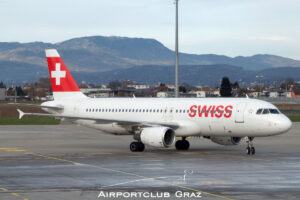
(2, 94)
(295, 90)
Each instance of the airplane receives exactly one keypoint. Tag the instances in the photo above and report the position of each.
(157, 122)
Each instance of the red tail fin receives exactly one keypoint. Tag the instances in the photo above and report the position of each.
(60, 77)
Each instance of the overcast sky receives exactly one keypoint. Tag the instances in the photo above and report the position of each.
(227, 27)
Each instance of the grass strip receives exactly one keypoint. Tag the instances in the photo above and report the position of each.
(295, 118)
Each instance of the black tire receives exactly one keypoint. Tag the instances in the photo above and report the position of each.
(186, 145)
(134, 146)
(179, 145)
(141, 146)
(248, 150)
(182, 145)
(252, 150)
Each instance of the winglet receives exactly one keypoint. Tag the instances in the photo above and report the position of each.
(21, 113)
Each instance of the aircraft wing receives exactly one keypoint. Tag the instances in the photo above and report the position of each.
(173, 125)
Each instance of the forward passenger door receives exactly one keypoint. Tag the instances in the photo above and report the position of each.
(240, 113)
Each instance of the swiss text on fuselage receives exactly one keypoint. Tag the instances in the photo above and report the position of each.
(217, 111)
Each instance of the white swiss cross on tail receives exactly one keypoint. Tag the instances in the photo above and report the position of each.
(58, 74)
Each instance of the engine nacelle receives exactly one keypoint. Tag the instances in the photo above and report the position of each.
(158, 136)
(228, 141)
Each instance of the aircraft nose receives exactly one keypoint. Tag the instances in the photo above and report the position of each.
(285, 124)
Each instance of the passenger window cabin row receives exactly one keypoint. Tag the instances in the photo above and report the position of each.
(149, 110)
(124, 110)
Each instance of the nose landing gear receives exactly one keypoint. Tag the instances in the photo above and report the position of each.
(250, 150)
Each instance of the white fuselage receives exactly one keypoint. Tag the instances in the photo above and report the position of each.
(234, 117)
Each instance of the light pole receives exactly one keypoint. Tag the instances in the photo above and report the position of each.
(260, 77)
(14, 89)
(176, 52)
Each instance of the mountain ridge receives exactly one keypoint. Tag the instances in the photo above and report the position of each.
(110, 55)
(98, 53)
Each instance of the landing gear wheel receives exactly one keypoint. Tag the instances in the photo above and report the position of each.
(178, 144)
(250, 150)
(137, 146)
(182, 145)
(186, 144)
(141, 147)
(134, 146)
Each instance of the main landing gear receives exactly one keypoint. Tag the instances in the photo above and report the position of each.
(137, 146)
(250, 150)
(182, 144)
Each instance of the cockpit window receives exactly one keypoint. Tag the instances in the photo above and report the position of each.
(266, 111)
(274, 111)
(259, 111)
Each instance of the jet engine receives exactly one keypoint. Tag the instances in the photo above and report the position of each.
(228, 141)
(158, 136)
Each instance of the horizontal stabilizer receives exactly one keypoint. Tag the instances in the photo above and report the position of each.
(21, 113)
(37, 105)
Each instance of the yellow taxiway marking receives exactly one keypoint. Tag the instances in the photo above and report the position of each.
(11, 149)
(50, 157)
(15, 150)
(4, 189)
(15, 194)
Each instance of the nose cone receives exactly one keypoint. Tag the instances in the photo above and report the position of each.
(285, 124)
